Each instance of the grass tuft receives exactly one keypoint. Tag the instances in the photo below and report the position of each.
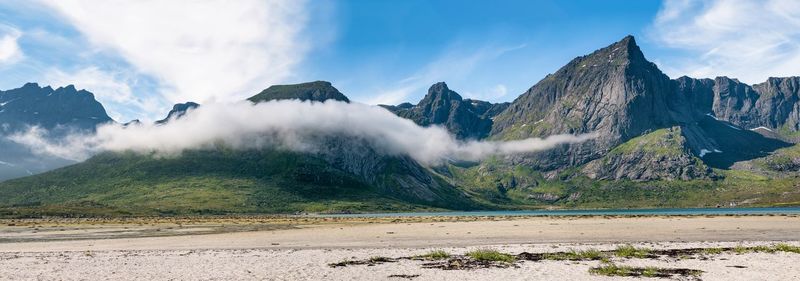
(491, 255)
(783, 247)
(628, 251)
(591, 254)
(612, 270)
(435, 255)
(628, 271)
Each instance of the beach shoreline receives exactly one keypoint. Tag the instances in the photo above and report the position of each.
(296, 248)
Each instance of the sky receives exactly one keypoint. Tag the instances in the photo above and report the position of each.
(140, 57)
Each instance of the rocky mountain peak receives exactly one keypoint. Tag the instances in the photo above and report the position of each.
(629, 48)
(465, 118)
(33, 105)
(621, 53)
(178, 110)
(438, 102)
(441, 91)
(317, 91)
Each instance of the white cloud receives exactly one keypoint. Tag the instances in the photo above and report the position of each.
(113, 90)
(746, 39)
(290, 124)
(493, 94)
(10, 52)
(453, 65)
(197, 50)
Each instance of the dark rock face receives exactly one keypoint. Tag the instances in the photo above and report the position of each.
(735, 102)
(614, 91)
(772, 107)
(58, 112)
(318, 91)
(395, 175)
(779, 106)
(178, 110)
(618, 94)
(486, 109)
(465, 118)
(32, 105)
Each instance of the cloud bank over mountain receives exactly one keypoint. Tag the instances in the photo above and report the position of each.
(289, 124)
(746, 39)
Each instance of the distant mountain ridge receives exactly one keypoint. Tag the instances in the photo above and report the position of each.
(32, 105)
(57, 111)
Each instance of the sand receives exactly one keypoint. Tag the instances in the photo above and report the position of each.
(304, 251)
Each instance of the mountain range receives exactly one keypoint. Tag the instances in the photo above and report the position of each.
(661, 142)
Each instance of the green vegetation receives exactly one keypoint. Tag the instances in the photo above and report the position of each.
(782, 160)
(629, 271)
(435, 255)
(612, 270)
(195, 183)
(628, 251)
(500, 186)
(591, 254)
(667, 141)
(782, 247)
(224, 181)
(487, 258)
(491, 255)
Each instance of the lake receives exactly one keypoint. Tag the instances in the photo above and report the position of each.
(599, 212)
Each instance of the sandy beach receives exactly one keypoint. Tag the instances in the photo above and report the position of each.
(303, 249)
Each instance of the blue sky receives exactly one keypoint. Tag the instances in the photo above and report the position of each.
(140, 57)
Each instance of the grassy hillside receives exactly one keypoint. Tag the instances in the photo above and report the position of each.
(198, 182)
(500, 186)
(242, 182)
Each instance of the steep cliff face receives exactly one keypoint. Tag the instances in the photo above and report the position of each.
(779, 106)
(614, 92)
(465, 118)
(735, 102)
(770, 108)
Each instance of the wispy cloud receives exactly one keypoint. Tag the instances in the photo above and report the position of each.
(492, 94)
(112, 89)
(196, 50)
(290, 125)
(747, 39)
(10, 52)
(454, 64)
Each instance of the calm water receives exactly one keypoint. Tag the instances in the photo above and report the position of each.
(662, 212)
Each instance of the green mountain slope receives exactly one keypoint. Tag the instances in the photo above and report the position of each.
(199, 182)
